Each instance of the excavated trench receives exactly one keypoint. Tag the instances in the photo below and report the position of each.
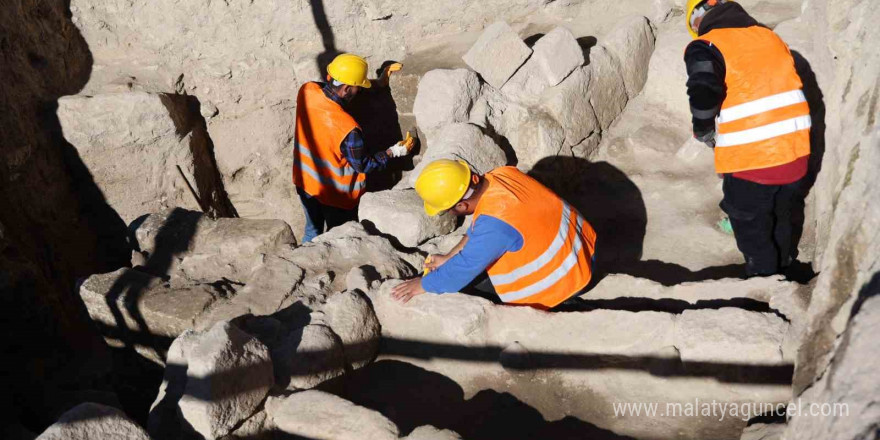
(224, 327)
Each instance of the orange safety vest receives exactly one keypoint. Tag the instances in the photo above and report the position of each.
(765, 119)
(555, 261)
(319, 167)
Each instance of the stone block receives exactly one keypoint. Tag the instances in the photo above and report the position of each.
(461, 141)
(632, 44)
(319, 415)
(351, 317)
(228, 374)
(308, 356)
(401, 213)
(497, 54)
(90, 421)
(569, 104)
(607, 89)
(445, 97)
(557, 54)
(730, 335)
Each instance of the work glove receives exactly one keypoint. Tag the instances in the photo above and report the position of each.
(707, 138)
(385, 77)
(403, 147)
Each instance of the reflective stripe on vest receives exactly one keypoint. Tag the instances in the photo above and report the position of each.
(554, 261)
(356, 185)
(554, 277)
(765, 119)
(319, 167)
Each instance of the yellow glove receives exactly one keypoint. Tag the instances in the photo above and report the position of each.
(408, 142)
(391, 68)
(426, 270)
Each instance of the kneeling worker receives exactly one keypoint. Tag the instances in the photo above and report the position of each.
(330, 161)
(536, 248)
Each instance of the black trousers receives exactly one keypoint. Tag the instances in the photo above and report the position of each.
(761, 216)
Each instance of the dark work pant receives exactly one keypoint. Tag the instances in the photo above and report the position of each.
(762, 222)
(318, 215)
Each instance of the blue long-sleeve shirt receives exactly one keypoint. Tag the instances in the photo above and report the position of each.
(488, 240)
(353, 147)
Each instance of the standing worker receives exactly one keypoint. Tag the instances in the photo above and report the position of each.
(536, 248)
(742, 76)
(330, 161)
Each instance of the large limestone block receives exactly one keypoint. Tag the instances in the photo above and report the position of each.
(133, 144)
(445, 97)
(730, 335)
(264, 293)
(569, 104)
(164, 419)
(632, 44)
(461, 141)
(229, 374)
(349, 246)
(319, 415)
(91, 421)
(351, 317)
(558, 54)
(846, 395)
(607, 89)
(129, 300)
(539, 137)
(526, 85)
(497, 54)
(188, 244)
(401, 213)
(308, 356)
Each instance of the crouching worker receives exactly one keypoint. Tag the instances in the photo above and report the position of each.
(330, 161)
(536, 248)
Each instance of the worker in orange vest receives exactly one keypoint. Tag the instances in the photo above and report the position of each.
(330, 161)
(747, 103)
(535, 247)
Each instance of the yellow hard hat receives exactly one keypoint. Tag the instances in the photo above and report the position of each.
(349, 69)
(689, 12)
(442, 184)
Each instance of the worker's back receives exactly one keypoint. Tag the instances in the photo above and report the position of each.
(554, 262)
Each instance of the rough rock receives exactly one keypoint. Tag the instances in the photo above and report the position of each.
(539, 137)
(189, 245)
(319, 415)
(846, 395)
(346, 247)
(527, 84)
(228, 374)
(595, 356)
(730, 335)
(360, 278)
(308, 356)
(129, 304)
(461, 141)
(351, 317)
(497, 54)
(632, 44)
(569, 104)
(264, 293)
(607, 90)
(558, 54)
(428, 432)
(763, 431)
(401, 213)
(111, 132)
(89, 421)
(164, 419)
(445, 97)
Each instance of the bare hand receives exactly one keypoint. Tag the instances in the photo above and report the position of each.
(406, 290)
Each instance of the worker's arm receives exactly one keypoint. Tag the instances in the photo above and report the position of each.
(434, 261)
(488, 240)
(354, 150)
(705, 85)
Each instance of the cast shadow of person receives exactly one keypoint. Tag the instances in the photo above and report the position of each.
(607, 198)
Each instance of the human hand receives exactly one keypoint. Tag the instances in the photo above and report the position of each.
(407, 290)
(434, 261)
(707, 138)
